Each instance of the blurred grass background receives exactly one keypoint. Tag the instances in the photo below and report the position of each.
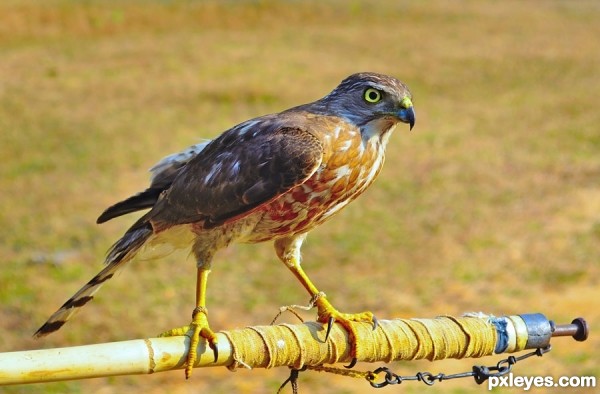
(492, 203)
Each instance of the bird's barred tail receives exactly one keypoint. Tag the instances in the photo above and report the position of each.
(121, 252)
(78, 300)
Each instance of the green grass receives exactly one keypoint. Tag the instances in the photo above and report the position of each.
(492, 203)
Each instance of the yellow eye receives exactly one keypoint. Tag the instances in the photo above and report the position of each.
(372, 95)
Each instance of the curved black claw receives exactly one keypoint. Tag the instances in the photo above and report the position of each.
(352, 363)
(215, 350)
(375, 323)
(329, 325)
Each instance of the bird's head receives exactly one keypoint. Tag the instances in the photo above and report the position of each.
(373, 102)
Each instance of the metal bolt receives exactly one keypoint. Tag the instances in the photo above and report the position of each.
(578, 329)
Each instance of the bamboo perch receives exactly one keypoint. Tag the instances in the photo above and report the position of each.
(292, 345)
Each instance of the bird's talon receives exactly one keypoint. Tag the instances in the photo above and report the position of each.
(352, 363)
(197, 329)
(327, 314)
(330, 322)
(215, 350)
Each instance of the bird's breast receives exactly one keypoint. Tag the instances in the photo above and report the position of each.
(349, 166)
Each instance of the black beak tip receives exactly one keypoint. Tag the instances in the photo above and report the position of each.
(411, 117)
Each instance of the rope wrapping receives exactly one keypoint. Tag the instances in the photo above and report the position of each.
(399, 339)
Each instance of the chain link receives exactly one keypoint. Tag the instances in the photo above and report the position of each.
(479, 373)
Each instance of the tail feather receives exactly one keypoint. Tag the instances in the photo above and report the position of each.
(121, 252)
(126, 247)
(143, 200)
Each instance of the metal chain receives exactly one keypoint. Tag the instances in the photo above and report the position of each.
(479, 373)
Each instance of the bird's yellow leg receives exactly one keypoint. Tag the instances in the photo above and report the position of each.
(199, 327)
(324, 307)
(327, 314)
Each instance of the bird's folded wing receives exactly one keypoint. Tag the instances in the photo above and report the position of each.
(236, 173)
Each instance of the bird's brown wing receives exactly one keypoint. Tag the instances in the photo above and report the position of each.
(237, 172)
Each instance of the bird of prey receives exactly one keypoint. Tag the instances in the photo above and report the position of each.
(274, 177)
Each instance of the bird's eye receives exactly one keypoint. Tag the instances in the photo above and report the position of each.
(372, 95)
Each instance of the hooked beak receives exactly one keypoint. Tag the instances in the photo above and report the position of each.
(407, 113)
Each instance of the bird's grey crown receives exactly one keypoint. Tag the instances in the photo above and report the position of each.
(360, 81)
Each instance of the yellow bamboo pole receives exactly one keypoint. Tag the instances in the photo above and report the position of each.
(134, 357)
(293, 345)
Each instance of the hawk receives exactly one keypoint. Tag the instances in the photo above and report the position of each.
(274, 177)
